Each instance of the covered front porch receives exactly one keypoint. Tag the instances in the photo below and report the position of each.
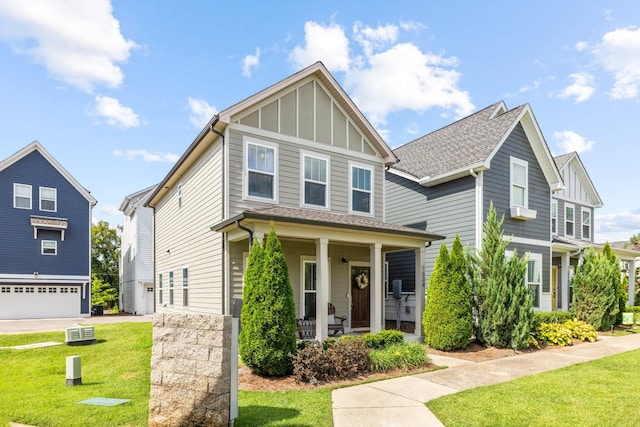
(332, 258)
(567, 253)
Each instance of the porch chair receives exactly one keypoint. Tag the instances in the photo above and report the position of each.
(332, 321)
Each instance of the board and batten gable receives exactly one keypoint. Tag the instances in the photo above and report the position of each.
(183, 239)
(304, 119)
(20, 252)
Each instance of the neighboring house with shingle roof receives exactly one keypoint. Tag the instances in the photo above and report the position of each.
(300, 154)
(572, 227)
(447, 179)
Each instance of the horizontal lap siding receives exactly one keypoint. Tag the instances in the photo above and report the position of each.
(185, 233)
(497, 189)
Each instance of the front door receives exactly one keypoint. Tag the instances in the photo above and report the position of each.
(149, 300)
(360, 301)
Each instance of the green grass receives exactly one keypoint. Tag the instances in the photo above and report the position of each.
(33, 386)
(600, 393)
(285, 408)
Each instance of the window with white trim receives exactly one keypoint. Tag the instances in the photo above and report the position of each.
(519, 182)
(315, 180)
(533, 277)
(49, 247)
(180, 195)
(21, 196)
(171, 288)
(261, 170)
(554, 217)
(569, 220)
(361, 189)
(309, 289)
(586, 223)
(185, 286)
(160, 288)
(48, 199)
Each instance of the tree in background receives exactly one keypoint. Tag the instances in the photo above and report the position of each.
(105, 253)
(447, 316)
(272, 324)
(103, 294)
(502, 301)
(595, 292)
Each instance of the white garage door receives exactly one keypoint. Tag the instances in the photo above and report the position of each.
(39, 302)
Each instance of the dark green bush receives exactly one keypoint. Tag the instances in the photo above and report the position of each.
(383, 339)
(399, 356)
(540, 317)
(342, 359)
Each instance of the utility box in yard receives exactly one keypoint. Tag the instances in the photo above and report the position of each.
(80, 335)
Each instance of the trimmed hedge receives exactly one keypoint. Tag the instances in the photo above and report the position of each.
(540, 317)
(383, 339)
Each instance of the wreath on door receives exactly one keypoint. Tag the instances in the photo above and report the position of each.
(362, 280)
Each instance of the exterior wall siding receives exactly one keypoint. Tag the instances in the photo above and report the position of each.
(497, 189)
(545, 291)
(578, 235)
(20, 253)
(183, 237)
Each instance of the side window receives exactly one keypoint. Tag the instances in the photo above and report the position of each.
(519, 182)
(361, 189)
(533, 277)
(160, 288)
(49, 247)
(48, 199)
(554, 217)
(21, 196)
(171, 288)
(569, 220)
(586, 223)
(260, 171)
(315, 180)
(185, 286)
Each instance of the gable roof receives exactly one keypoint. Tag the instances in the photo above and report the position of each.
(36, 146)
(470, 144)
(132, 201)
(574, 159)
(220, 121)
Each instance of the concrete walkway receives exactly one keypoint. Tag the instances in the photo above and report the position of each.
(400, 401)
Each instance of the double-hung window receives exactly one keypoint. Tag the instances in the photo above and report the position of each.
(261, 170)
(21, 196)
(49, 247)
(519, 181)
(586, 223)
(569, 220)
(554, 217)
(185, 286)
(48, 199)
(160, 288)
(171, 288)
(309, 290)
(315, 180)
(361, 189)
(534, 277)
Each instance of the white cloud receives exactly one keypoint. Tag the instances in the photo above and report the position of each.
(582, 45)
(582, 87)
(111, 210)
(617, 227)
(535, 85)
(115, 114)
(78, 42)
(201, 112)
(327, 44)
(250, 62)
(570, 141)
(428, 79)
(146, 155)
(619, 54)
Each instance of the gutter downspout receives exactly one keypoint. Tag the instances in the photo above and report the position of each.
(248, 230)
(215, 120)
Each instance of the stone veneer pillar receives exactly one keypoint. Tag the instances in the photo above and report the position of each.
(190, 370)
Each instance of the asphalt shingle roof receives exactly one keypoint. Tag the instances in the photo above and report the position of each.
(462, 144)
(563, 159)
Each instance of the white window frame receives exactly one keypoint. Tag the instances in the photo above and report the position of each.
(573, 220)
(171, 283)
(584, 210)
(268, 145)
(160, 288)
(554, 230)
(179, 191)
(352, 166)
(304, 180)
(303, 261)
(537, 258)
(185, 286)
(55, 199)
(15, 195)
(44, 243)
(512, 184)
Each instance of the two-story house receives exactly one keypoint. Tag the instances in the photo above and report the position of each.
(301, 155)
(45, 258)
(136, 254)
(447, 179)
(572, 227)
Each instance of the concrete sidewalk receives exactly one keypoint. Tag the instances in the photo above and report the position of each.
(400, 401)
(46, 325)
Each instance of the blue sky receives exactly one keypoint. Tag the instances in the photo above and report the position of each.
(117, 90)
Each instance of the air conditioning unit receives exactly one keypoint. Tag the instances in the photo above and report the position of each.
(80, 335)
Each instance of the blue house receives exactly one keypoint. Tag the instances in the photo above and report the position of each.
(45, 258)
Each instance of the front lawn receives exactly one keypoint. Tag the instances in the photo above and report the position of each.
(600, 393)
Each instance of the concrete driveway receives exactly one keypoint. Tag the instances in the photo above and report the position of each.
(45, 325)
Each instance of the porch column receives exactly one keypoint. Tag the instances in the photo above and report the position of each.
(322, 288)
(375, 281)
(564, 279)
(420, 291)
(632, 282)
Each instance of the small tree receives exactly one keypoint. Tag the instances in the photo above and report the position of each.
(103, 293)
(616, 280)
(271, 321)
(447, 316)
(595, 294)
(251, 292)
